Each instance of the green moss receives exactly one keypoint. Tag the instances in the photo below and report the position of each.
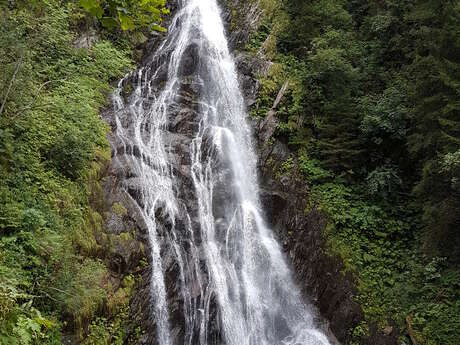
(285, 167)
(119, 209)
(111, 329)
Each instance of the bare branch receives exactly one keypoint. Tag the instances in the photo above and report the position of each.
(32, 104)
(16, 70)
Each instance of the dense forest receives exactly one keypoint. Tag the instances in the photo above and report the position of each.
(371, 114)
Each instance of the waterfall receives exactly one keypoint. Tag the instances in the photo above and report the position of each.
(182, 151)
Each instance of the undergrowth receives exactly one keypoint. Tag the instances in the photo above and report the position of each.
(53, 150)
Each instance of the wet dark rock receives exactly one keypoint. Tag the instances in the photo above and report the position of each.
(241, 18)
(190, 61)
(249, 66)
(115, 223)
(275, 203)
(69, 339)
(185, 121)
(268, 127)
(125, 188)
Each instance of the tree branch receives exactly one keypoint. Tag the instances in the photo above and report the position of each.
(16, 70)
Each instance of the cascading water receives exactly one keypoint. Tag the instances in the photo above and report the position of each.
(182, 151)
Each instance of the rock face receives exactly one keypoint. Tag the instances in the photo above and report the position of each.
(241, 18)
(182, 123)
(319, 275)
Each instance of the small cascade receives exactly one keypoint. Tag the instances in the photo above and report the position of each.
(182, 151)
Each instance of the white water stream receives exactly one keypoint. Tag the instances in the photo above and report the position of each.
(233, 278)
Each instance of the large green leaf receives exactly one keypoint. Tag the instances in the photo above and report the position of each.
(126, 22)
(93, 7)
(109, 22)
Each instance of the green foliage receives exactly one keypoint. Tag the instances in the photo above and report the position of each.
(394, 280)
(111, 332)
(105, 331)
(372, 111)
(312, 169)
(20, 322)
(52, 145)
(127, 14)
(385, 116)
(285, 167)
(80, 290)
(383, 182)
(119, 209)
(439, 188)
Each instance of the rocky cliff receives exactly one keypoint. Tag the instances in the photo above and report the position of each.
(319, 275)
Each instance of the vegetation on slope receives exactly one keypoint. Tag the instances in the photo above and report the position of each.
(53, 150)
(373, 114)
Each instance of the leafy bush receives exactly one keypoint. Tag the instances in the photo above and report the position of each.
(394, 280)
(383, 182)
(127, 15)
(312, 169)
